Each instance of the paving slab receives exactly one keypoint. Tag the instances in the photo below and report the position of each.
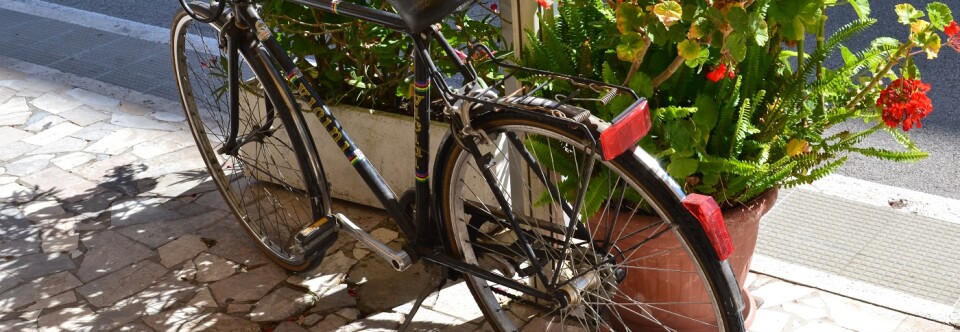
(156, 234)
(71, 160)
(122, 139)
(41, 120)
(14, 150)
(225, 231)
(180, 250)
(66, 186)
(124, 282)
(36, 265)
(109, 251)
(203, 299)
(161, 296)
(15, 193)
(55, 102)
(29, 165)
(211, 268)
(281, 304)
(249, 286)
(17, 248)
(71, 318)
(62, 145)
(87, 97)
(84, 115)
(10, 134)
(51, 135)
(39, 289)
(138, 211)
(95, 131)
(13, 224)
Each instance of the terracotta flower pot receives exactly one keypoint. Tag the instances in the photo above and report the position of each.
(649, 286)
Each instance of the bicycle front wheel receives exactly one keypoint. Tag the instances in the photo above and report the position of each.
(256, 168)
(636, 261)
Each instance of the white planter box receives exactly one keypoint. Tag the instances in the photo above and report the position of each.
(386, 140)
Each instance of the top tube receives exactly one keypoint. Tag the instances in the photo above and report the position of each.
(384, 18)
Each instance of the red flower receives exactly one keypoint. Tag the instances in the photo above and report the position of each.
(905, 103)
(953, 33)
(952, 30)
(545, 3)
(494, 8)
(718, 73)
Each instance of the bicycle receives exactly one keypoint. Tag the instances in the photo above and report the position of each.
(508, 211)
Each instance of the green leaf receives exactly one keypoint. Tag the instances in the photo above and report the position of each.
(682, 168)
(701, 58)
(940, 15)
(707, 113)
(630, 45)
(906, 13)
(848, 57)
(737, 17)
(688, 49)
(793, 29)
(760, 34)
(736, 45)
(862, 7)
(629, 18)
(932, 45)
(669, 12)
(642, 84)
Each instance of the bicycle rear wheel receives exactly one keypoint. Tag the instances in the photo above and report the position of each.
(262, 176)
(615, 267)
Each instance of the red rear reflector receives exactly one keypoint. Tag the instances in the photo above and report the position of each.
(627, 129)
(708, 212)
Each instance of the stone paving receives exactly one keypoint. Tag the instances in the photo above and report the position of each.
(108, 223)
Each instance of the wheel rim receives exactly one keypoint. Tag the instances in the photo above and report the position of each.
(261, 182)
(603, 305)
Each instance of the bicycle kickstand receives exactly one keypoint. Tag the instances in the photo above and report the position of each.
(437, 281)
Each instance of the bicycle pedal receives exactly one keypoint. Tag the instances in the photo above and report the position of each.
(318, 228)
(319, 236)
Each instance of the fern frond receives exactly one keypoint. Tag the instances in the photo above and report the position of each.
(817, 173)
(908, 156)
(740, 131)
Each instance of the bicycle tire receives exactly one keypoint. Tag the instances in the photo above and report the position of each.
(267, 183)
(480, 239)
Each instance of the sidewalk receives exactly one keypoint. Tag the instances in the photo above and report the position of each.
(106, 223)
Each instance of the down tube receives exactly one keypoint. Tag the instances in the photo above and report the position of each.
(306, 92)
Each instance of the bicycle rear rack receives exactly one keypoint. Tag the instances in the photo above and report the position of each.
(584, 90)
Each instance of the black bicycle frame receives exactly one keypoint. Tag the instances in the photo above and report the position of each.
(426, 75)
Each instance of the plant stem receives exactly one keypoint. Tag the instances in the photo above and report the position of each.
(636, 62)
(822, 102)
(672, 68)
(876, 78)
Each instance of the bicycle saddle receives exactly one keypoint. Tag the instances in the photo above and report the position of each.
(420, 14)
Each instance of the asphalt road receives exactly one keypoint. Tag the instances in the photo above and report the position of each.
(154, 12)
(939, 174)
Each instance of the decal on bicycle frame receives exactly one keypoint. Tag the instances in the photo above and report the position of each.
(333, 6)
(353, 154)
(263, 32)
(421, 90)
(294, 74)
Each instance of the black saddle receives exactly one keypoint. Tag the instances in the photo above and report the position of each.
(420, 14)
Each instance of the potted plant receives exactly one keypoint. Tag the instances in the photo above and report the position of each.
(365, 72)
(743, 98)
